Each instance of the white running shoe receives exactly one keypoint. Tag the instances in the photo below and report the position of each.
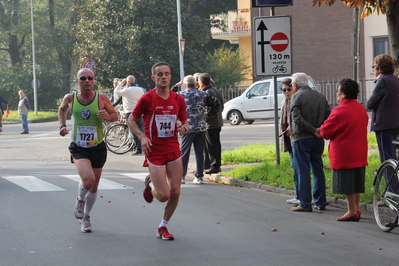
(293, 201)
(79, 207)
(183, 181)
(86, 225)
(198, 180)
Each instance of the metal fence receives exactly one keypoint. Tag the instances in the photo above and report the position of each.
(231, 92)
(329, 89)
(326, 87)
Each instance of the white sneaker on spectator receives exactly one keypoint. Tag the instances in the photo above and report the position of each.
(198, 180)
(293, 201)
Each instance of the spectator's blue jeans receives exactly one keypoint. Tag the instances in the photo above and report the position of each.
(295, 176)
(388, 151)
(307, 156)
(24, 121)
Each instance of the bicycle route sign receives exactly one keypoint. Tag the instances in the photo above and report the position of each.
(272, 46)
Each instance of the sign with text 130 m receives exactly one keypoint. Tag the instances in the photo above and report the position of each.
(272, 46)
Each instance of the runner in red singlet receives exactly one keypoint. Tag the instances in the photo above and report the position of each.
(164, 114)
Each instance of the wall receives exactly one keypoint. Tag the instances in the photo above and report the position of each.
(373, 26)
(322, 39)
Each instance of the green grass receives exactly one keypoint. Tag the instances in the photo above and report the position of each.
(266, 171)
(31, 116)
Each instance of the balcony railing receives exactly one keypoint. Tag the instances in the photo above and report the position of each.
(232, 23)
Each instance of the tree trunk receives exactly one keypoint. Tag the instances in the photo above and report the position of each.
(51, 12)
(13, 50)
(392, 16)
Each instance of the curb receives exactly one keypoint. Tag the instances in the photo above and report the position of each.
(331, 201)
(16, 121)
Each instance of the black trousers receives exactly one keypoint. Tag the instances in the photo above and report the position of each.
(213, 149)
(198, 139)
(140, 124)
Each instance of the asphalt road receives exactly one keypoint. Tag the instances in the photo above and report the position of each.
(213, 225)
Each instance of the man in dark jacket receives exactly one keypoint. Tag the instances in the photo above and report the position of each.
(197, 103)
(213, 147)
(309, 109)
(2, 100)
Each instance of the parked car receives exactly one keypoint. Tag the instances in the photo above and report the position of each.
(256, 102)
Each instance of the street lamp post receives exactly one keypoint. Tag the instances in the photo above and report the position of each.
(179, 31)
(33, 59)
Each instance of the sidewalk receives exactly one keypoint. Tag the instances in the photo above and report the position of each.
(225, 180)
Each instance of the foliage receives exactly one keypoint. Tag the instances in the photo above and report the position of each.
(388, 7)
(121, 37)
(226, 65)
(53, 50)
(12, 79)
(137, 34)
(370, 6)
(265, 170)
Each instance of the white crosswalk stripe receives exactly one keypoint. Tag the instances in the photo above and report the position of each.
(141, 176)
(34, 184)
(105, 184)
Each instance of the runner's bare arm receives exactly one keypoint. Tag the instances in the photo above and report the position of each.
(145, 142)
(107, 111)
(62, 113)
(183, 128)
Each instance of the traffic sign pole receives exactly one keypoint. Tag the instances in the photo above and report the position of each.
(273, 55)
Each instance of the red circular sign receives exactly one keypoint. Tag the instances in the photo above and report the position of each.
(279, 42)
(89, 64)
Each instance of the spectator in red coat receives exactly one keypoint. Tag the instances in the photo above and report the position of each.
(346, 128)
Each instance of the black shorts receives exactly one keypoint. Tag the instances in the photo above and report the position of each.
(97, 155)
(348, 181)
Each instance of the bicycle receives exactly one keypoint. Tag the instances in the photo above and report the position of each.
(386, 202)
(119, 139)
(278, 68)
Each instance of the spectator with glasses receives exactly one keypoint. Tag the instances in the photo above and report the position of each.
(384, 102)
(288, 91)
(88, 150)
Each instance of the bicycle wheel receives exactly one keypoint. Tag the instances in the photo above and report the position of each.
(385, 202)
(119, 139)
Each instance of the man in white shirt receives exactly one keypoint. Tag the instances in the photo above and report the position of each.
(130, 93)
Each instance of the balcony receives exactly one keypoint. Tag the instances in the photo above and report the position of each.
(231, 25)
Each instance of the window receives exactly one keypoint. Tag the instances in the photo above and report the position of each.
(381, 46)
(260, 89)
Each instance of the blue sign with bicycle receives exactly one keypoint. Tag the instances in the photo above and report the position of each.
(260, 3)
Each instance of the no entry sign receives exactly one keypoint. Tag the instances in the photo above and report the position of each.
(279, 42)
(272, 46)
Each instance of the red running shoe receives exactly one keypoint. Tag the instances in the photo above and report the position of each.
(164, 234)
(147, 193)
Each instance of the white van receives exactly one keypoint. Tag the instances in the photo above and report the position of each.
(256, 102)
